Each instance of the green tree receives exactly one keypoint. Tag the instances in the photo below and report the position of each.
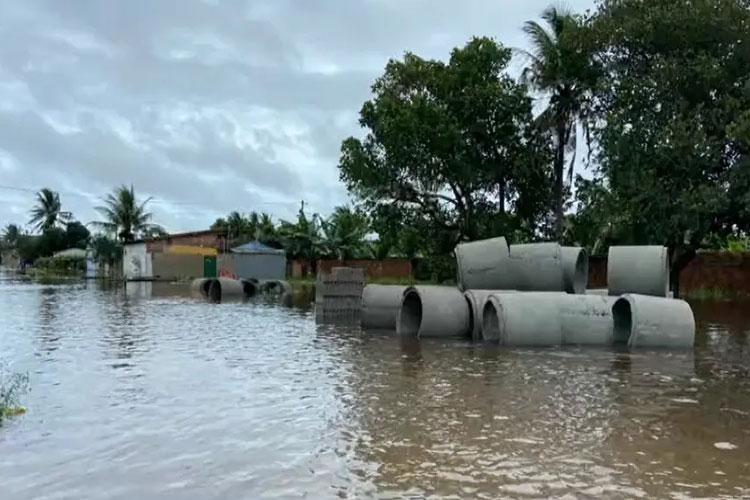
(10, 236)
(123, 215)
(105, 250)
(76, 235)
(344, 233)
(674, 134)
(560, 67)
(47, 213)
(302, 239)
(450, 143)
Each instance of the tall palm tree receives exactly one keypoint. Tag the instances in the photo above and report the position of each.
(560, 67)
(124, 216)
(47, 213)
(10, 235)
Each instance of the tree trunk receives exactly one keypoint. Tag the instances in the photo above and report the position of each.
(559, 172)
(501, 195)
(681, 257)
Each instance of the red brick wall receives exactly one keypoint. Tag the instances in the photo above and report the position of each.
(209, 240)
(388, 268)
(726, 271)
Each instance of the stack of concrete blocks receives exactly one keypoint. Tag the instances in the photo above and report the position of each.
(338, 295)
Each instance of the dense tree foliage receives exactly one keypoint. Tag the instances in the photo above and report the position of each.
(452, 144)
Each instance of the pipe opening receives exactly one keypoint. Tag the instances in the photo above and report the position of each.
(471, 315)
(491, 322)
(205, 287)
(214, 292)
(249, 288)
(581, 276)
(622, 315)
(410, 315)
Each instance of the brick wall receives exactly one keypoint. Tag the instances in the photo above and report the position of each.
(387, 268)
(201, 239)
(725, 271)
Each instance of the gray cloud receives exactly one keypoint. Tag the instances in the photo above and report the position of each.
(208, 106)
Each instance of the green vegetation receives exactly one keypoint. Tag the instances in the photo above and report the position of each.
(12, 387)
(125, 217)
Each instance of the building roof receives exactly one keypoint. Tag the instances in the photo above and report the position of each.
(257, 247)
(217, 232)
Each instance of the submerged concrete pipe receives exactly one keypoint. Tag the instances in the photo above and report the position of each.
(249, 286)
(522, 320)
(476, 300)
(483, 265)
(433, 311)
(548, 319)
(226, 289)
(537, 267)
(380, 305)
(575, 262)
(638, 269)
(201, 286)
(646, 321)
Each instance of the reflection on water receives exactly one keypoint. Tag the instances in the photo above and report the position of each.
(145, 391)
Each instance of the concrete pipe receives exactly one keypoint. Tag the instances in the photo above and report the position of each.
(476, 300)
(575, 262)
(646, 321)
(433, 311)
(483, 265)
(201, 286)
(250, 287)
(226, 289)
(522, 319)
(275, 287)
(638, 269)
(380, 305)
(547, 319)
(537, 267)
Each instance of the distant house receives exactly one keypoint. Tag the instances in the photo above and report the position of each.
(253, 260)
(175, 256)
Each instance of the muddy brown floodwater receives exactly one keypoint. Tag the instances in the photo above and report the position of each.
(146, 393)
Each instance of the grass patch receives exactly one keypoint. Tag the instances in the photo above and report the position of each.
(12, 387)
(715, 295)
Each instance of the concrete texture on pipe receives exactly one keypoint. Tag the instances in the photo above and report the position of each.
(522, 320)
(638, 269)
(537, 267)
(548, 319)
(226, 289)
(380, 305)
(201, 286)
(575, 262)
(476, 300)
(277, 287)
(483, 265)
(433, 311)
(647, 321)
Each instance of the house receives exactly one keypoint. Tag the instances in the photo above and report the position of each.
(253, 260)
(175, 256)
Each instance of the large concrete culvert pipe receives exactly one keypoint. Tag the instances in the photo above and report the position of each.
(476, 300)
(226, 289)
(646, 321)
(483, 265)
(250, 287)
(201, 286)
(575, 263)
(433, 311)
(638, 269)
(548, 319)
(537, 267)
(380, 305)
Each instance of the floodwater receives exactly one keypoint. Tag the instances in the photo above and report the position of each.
(146, 393)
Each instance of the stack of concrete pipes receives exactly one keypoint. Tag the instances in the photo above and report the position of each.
(535, 295)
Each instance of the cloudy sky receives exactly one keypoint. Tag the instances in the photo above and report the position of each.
(207, 106)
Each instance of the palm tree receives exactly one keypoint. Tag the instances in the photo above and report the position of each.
(11, 233)
(559, 67)
(48, 211)
(345, 232)
(236, 225)
(302, 239)
(124, 216)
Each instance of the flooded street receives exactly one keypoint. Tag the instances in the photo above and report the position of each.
(146, 393)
